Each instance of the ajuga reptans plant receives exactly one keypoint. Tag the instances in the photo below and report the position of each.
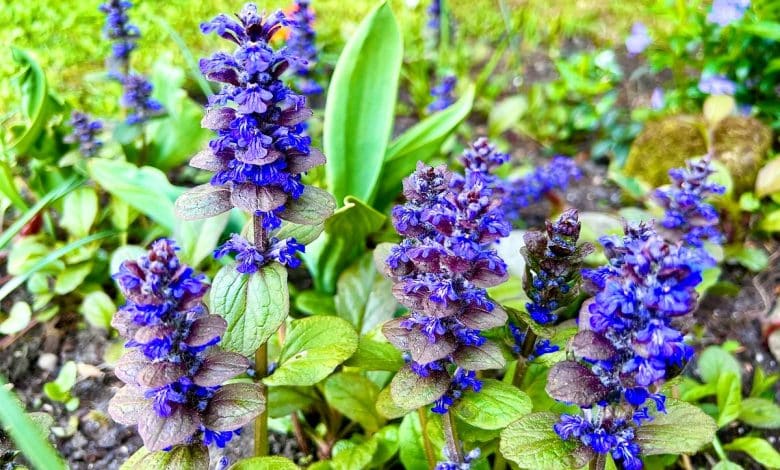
(85, 133)
(173, 368)
(630, 341)
(442, 267)
(542, 181)
(301, 45)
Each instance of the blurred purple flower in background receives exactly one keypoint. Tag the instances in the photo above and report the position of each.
(657, 98)
(717, 85)
(725, 12)
(638, 40)
(443, 94)
(85, 134)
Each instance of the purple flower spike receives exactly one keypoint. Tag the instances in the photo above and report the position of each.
(85, 134)
(261, 148)
(557, 175)
(301, 45)
(119, 30)
(173, 368)
(443, 94)
(443, 265)
(638, 40)
(717, 85)
(725, 12)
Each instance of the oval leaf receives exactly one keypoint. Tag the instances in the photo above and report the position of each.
(665, 435)
(233, 406)
(531, 442)
(202, 202)
(411, 391)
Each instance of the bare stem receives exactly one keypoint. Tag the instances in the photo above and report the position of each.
(261, 360)
(426, 439)
(451, 437)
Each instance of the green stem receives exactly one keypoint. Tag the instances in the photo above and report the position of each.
(499, 463)
(451, 437)
(719, 449)
(261, 358)
(429, 454)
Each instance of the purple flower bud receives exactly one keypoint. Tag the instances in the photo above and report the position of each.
(85, 134)
(443, 94)
(717, 85)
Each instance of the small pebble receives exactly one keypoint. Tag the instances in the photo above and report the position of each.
(47, 362)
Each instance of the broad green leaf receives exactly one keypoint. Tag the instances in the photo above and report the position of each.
(748, 202)
(48, 259)
(254, 305)
(768, 179)
(312, 302)
(770, 222)
(145, 189)
(760, 413)
(376, 355)
(343, 242)
(363, 296)
(18, 318)
(79, 210)
(35, 91)
(283, 401)
(410, 440)
(71, 278)
(755, 259)
(98, 309)
(531, 442)
(683, 429)
(387, 445)
(727, 465)
(182, 457)
(421, 142)
(759, 449)
(495, 406)
(411, 391)
(303, 234)
(354, 396)
(314, 347)
(25, 433)
(715, 361)
(360, 107)
(264, 463)
(765, 29)
(505, 113)
(729, 395)
(61, 190)
(387, 407)
(349, 455)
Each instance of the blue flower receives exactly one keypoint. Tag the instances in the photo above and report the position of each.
(716, 85)
(85, 134)
(170, 338)
(119, 30)
(137, 99)
(446, 261)
(301, 45)
(725, 12)
(443, 94)
(638, 40)
(531, 188)
(249, 259)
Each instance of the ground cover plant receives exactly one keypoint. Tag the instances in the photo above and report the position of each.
(373, 235)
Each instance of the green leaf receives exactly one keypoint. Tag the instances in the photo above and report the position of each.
(254, 305)
(715, 361)
(18, 318)
(768, 179)
(755, 259)
(760, 413)
(314, 347)
(376, 355)
(360, 107)
(264, 463)
(749, 202)
(354, 396)
(729, 394)
(48, 259)
(283, 401)
(387, 407)
(759, 449)
(312, 302)
(727, 465)
(531, 442)
(410, 441)
(770, 222)
(198, 238)
(59, 389)
(8, 188)
(25, 433)
(495, 406)
(61, 190)
(505, 113)
(419, 143)
(190, 457)
(349, 455)
(71, 278)
(765, 29)
(363, 296)
(718, 107)
(145, 189)
(387, 445)
(79, 210)
(35, 91)
(343, 242)
(98, 309)
(683, 429)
